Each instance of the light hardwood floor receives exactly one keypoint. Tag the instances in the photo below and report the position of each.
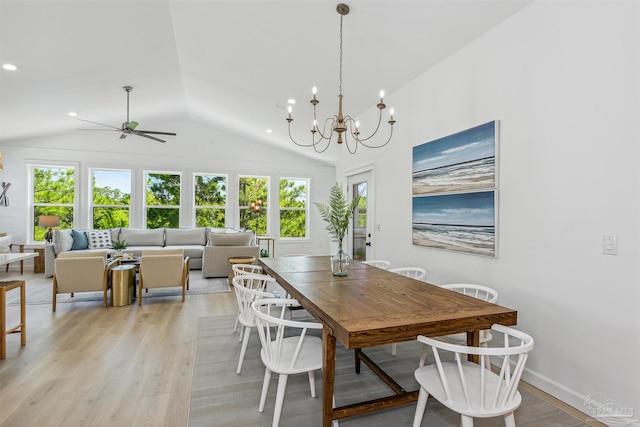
(86, 365)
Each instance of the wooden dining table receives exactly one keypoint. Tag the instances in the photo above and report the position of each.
(371, 306)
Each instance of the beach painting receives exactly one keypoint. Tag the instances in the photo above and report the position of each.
(460, 162)
(464, 222)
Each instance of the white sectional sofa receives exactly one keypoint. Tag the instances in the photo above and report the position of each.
(207, 251)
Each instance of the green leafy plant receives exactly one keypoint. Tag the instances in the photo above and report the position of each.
(119, 245)
(338, 212)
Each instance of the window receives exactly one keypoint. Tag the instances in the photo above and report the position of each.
(210, 200)
(162, 201)
(111, 191)
(293, 207)
(253, 189)
(53, 194)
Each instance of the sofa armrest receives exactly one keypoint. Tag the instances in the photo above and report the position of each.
(215, 259)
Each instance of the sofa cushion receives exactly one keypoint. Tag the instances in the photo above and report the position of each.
(230, 239)
(5, 245)
(192, 251)
(99, 239)
(185, 236)
(62, 241)
(139, 237)
(80, 240)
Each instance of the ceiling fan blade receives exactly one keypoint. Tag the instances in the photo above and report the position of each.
(148, 136)
(153, 132)
(101, 124)
(131, 125)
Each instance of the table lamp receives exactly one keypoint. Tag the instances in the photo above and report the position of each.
(48, 221)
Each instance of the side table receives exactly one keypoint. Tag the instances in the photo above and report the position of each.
(22, 327)
(239, 260)
(123, 279)
(271, 244)
(38, 262)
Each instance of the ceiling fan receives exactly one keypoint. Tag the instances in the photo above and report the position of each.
(130, 127)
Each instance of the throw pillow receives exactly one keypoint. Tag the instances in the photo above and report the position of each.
(79, 240)
(62, 241)
(230, 239)
(99, 239)
(5, 245)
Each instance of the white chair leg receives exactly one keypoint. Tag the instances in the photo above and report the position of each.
(423, 357)
(394, 349)
(245, 343)
(235, 327)
(265, 389)
(466, 421)
(241, 333)
(282, 386)
(421, 406)
(312, 383)
(510, 420)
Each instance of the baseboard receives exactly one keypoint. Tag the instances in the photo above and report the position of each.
(575, 402)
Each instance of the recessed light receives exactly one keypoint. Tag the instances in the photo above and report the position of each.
(9, 67)
(269, 131)
(73, 114)
(291, 101)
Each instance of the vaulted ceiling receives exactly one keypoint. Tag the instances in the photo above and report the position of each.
(228, 64)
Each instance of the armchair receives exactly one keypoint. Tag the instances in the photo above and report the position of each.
(81, 272)
(160, 269)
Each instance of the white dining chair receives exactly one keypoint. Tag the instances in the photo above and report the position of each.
(241, 269)
(261, 282)
(481, 292)
(380, 263)
(288, 348)
(413, 272)
(472, 389)
(245, 296)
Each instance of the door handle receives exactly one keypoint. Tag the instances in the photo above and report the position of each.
(368, 244)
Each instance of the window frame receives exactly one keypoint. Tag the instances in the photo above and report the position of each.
(146, 206)
(265, 202)
(224, 207)
(32, 224)
(90, 195)
(305, 209)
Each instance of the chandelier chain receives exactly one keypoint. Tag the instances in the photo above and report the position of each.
(341, 54)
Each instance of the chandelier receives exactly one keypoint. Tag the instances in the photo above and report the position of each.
(341, 124)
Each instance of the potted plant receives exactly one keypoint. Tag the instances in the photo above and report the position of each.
(119, 246)
(337, 214)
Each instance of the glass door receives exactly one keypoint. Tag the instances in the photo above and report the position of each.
(360, 241)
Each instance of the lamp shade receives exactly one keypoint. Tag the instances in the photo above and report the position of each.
(48, 221)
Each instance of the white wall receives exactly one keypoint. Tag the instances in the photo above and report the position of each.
(563, 80)
(197, 148)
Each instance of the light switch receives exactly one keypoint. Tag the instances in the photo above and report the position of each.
(610, 245)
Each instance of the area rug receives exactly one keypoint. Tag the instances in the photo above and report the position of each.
(220, 397)
(42, 294)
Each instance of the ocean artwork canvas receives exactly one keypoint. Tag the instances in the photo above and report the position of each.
(464, 222)
(460, 162)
